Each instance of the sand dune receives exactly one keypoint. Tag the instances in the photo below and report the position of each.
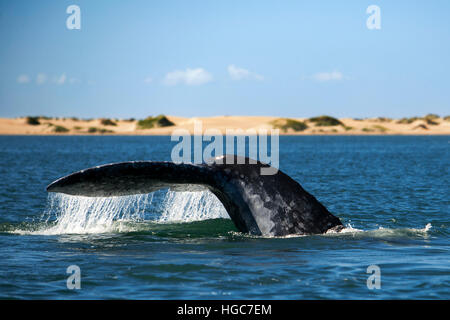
(19, 126)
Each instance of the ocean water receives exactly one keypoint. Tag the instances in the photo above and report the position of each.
(392, 193)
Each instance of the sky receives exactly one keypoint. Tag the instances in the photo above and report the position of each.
(210, 58)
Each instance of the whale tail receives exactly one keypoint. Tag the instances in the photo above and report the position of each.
(268, 205)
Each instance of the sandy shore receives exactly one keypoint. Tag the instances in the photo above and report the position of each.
(19, 126)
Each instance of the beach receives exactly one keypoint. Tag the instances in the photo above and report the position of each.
(347, 126)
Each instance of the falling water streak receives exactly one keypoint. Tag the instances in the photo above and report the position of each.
(74, 214)
(67, 214)
(191, 206)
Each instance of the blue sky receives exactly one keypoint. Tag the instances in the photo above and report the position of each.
(206, 58)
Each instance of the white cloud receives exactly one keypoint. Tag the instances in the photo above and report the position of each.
(61, 79)
(190, 77)
(23, 78)
(241, 73)
(148, 80)
(328, 76)
(41, 78)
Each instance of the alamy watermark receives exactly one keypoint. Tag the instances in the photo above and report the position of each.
(258, 146)
(74, 20)
(374, 280)
(74, 280)
(373, 22)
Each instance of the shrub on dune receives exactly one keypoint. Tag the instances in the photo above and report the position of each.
(286, 124)
(60, 129)
(99, 130)
(154, 122)
(107, 122)
(325, 121)
(380, 128)
(431, 122)
(430, 119)
(432, 116)
(407, 120)
(383, 119)
(34, 121)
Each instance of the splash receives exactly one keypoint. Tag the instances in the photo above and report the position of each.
(95, 215)
(75, 214)
(348, 229)
(67, 214)
(191, 206)
(382, 232)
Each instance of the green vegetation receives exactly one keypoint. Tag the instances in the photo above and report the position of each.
(429, 119)
(347, 128)
(107, 122)
(34, 121)
(380, 128)
(325, 121)
(77, 128)
(431, 122)
(432, 116)
(60, 129)
(375, 128)
(407, 120)
(447, 118)
(99, 130)
(420, 126)
(286, 124)
(383, 119)
(154, 122)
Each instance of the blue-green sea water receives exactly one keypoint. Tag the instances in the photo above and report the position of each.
(392, 193)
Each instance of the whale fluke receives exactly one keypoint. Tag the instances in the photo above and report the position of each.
(268, 205)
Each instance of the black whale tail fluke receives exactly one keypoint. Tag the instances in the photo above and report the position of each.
(268, 205)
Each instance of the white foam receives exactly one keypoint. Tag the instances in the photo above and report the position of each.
(347, 229)
(80, 215)
(350, 230)
(381, 231)
(84, 215)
